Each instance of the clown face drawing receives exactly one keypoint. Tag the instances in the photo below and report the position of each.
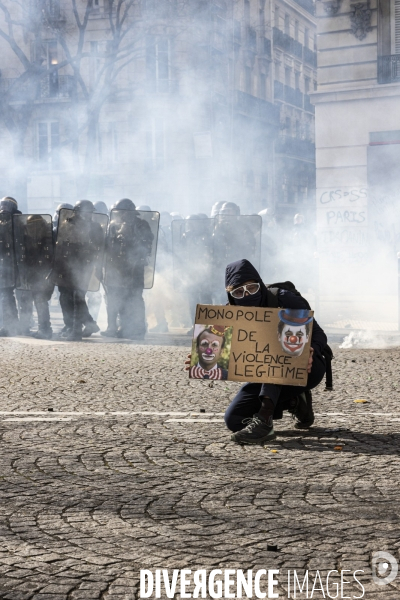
(294, 330)
(209, 347)
(209, 344)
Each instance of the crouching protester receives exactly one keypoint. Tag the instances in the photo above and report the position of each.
(251, 414)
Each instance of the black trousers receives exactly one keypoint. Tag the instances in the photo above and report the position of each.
(74, 308)
(248, 401)
(67, 305)
(127, 304)
(41, 300)
(81, 314)
(10, 311)
(25, 308)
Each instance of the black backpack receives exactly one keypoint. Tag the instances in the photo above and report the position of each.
(273, 292)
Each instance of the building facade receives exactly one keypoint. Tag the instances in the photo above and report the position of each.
(294, 40)
(178, 105)
(358, 152)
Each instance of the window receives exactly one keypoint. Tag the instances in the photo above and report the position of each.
(247, 81)
(297, 80)
(48, 145)
(155, 144)
(288, 76)
(158, 64)
(296, 31)
(46, 55)
(262, 19)
(276, 16)
(247, 12)
(287, 24)
(298, 132)
(288, 126)
(306, 37)
(263, 84)
(306, 85)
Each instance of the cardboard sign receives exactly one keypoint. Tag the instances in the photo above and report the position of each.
(260, 345)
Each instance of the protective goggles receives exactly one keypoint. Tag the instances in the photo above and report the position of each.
(239, 292)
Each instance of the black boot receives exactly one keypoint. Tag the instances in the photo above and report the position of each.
(302, 410)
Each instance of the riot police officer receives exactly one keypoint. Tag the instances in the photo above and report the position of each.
(79, 250)
(194, 248)
(234, 236)
(33, 236)
(129, 245)
(8, 272)
(56, 215)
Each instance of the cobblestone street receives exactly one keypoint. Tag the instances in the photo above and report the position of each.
(113, 461)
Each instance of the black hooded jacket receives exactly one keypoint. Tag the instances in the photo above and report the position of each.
(241, 271)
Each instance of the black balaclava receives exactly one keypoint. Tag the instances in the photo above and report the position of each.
(236, 274)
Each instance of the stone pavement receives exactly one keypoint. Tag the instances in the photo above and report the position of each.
(124, 472)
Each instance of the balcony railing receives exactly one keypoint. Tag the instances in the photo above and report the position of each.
(295, 147)
(282, 40)
(288, 94)
(51, 85)
(256, 107)
(56, 86)
(293, 96)
(292, 46)
(389, 68)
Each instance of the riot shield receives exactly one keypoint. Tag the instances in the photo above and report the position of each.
(131, 248)
(234, 238)
(7, 257)
(192, 254)
(34, 249)
(79, 250)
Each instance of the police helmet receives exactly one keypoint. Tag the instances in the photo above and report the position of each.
(144, 207)
(101, 207)
(230, 208)
(124, 204)
(64, 205)
(84, 206)
(216, 208)
(9, 204)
